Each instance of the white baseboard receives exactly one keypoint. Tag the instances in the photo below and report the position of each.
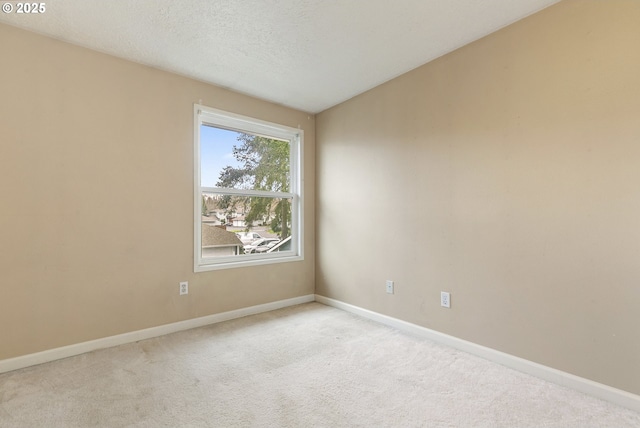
(605, 392)
(595, 389)
(148, 333)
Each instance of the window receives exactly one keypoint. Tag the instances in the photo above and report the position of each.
(248, 191)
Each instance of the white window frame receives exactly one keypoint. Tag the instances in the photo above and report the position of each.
(204, 115)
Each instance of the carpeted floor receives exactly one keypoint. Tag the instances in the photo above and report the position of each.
(304, 366)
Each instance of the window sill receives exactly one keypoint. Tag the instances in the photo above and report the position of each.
(205, 267)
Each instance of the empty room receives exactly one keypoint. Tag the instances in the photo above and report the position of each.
(422, 213)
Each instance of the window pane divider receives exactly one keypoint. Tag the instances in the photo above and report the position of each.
(247, 192)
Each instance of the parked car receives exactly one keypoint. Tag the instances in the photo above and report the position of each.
(266, 248)
(248, 237)
(284, 245)
(262, 242)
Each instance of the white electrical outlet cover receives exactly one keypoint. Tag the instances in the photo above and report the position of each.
(445, 299)
(389, 286)
(184, 288)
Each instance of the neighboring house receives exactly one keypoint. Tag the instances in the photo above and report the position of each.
(211, 220)
(217, 242)
(238, 221)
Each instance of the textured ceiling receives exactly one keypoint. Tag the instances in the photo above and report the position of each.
(305, 54)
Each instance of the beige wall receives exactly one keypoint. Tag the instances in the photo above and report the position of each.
(507, 173)
(96, 224)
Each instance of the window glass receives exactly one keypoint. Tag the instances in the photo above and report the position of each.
(247, 190)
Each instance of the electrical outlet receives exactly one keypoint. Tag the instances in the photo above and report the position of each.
(445, 299)
(389, 287)
(184, 288)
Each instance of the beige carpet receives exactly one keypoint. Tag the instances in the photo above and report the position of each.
(305, 366)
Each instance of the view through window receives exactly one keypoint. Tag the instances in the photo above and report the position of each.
(247, 190)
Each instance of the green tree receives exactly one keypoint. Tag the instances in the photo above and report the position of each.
(264, 165)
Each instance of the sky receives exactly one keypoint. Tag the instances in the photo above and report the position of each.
(216, 152)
